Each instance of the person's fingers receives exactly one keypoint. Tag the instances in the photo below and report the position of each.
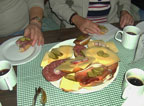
(95, 30)
(27, 32)
(131, 21)
(126, 19)
(34, 40)
(41, 40)
(35, 34)
(32, 33)
(95, 26)
(91, 28)
(89, 31)
(122, 22)
(84, 31)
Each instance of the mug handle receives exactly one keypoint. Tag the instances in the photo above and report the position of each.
(8, 84)
(126, 92)
(120, 40)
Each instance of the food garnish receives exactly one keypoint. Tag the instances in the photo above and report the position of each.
(102, 53)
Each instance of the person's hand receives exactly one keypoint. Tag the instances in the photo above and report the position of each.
(33, 30)
(126, 19)
(86, 26)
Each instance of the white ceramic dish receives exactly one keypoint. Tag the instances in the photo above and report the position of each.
(83, 90)
(10, 51)
(109, 35)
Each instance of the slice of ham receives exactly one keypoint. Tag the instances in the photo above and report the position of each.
(49, 72)
(82, 40)
(85, 80)
(77, 50)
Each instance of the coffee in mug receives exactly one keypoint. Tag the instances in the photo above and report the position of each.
(3, 71)
(7, 76)
(131, 33)
(128, 37)
(133, 83)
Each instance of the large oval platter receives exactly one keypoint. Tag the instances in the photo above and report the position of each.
(87, 89)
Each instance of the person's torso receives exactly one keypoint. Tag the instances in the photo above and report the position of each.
(98, 10)
(14, 16)
(81, 7)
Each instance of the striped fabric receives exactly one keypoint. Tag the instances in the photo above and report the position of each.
(98, 10)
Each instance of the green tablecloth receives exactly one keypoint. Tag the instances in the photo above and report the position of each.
(29, 76)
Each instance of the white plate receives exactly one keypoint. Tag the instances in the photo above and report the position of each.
(83, 90)
(10, 51)
(109, 35)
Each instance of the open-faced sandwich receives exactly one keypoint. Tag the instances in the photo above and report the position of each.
(24, 43)
(99, 43)
(103, 29)
(63, 52)
(81, 65)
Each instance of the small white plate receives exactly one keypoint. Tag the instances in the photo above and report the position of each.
(84, 90)
(109, 35)
(10, 51)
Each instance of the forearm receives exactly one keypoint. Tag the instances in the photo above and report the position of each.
(36, 12)
(62, 9)
(125, 5)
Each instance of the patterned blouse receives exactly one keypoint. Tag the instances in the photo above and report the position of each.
(98, 10)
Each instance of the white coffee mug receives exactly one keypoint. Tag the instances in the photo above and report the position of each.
(133, 83)
(7, 76)
(128, 37)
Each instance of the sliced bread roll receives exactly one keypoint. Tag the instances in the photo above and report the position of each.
(100, 43)
(63, 52)
(102, 55)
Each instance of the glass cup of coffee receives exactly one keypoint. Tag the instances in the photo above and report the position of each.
(133, 83)
(128, 37)
(7, 76)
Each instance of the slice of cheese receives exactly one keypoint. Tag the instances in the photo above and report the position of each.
(68, 66)
(69, 85)
(45, 60)
(66, 50)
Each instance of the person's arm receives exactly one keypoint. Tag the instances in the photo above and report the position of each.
(33, 30)
(67, 14)
(86, 26)
(61, 9)
(125, 5)
(36, 15)
(125, 16)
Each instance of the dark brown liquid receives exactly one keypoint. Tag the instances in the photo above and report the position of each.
(4, 71)
(135, 81)
(131, 33)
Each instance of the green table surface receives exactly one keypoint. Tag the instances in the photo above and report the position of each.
(29, 76)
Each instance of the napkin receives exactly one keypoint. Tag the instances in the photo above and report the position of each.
(134, 101)
(109, 35)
